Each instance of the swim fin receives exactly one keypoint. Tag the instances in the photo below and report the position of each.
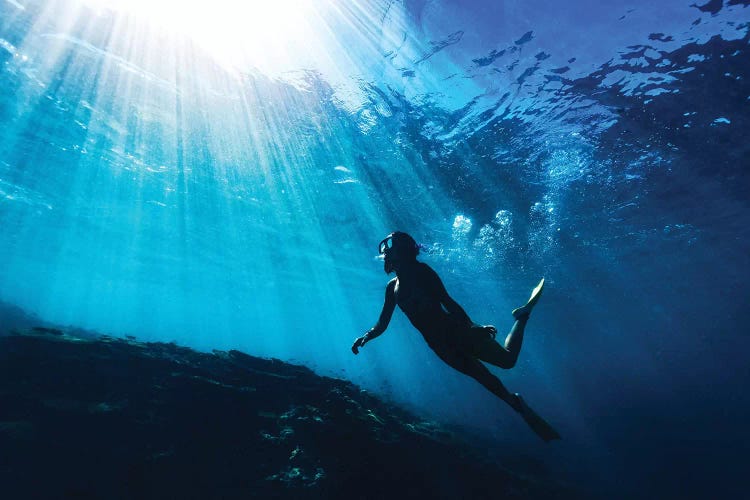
(537, 423)
(525, 309)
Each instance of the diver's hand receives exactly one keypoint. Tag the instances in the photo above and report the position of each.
(491, 330)
(360, 342)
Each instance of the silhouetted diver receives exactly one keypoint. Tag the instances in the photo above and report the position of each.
(448, 330)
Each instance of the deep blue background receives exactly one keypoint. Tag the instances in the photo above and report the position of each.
(148, 190)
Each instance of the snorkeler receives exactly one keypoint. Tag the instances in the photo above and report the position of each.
(448, 330)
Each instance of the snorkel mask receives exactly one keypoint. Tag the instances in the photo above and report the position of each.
(386, 244)
(384, 248)
(395, 247)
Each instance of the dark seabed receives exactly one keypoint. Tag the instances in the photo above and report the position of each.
(163, 421)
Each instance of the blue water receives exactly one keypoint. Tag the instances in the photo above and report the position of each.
(150, 185)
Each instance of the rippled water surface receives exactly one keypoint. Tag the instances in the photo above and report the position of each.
(207, 176)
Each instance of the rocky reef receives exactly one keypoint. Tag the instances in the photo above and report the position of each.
(87, 416)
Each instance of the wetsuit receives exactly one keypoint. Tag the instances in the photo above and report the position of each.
(457, 340)
(445, 326)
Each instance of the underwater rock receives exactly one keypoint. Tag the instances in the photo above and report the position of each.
(115, 418)
(44, 329)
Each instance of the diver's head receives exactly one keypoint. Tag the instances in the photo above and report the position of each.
(397, 248)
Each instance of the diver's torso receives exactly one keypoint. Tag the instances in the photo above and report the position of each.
(421, 304)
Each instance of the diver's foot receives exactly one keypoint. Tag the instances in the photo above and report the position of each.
(524, 311)
(536, 423)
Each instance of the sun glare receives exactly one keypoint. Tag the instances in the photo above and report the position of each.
(235, 32)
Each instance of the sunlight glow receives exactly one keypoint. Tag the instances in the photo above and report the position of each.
(235, 32)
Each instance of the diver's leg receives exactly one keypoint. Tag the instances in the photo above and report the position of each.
(487, 349)
(490, 351)
(481, 374)
(475, 369)
(515, 338)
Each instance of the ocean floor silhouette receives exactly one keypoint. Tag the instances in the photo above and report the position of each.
(90, 416)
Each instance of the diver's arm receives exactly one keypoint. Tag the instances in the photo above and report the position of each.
(385, 317)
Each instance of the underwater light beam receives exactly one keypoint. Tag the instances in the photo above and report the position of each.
(234, 32)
